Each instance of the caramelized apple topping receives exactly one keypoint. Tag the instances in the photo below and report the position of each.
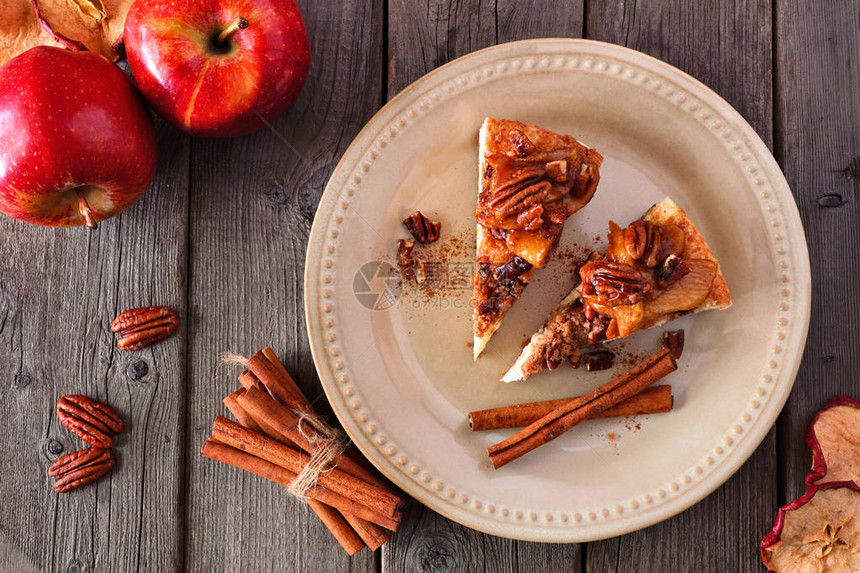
(562, 181)
(686, 293)
(613, 283)
(642, 278)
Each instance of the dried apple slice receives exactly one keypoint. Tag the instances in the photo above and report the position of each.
(818, 533)
(834, 438)
(687, 293)
(98, 26)
(20, 30)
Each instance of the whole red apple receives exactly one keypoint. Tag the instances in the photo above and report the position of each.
(77, 144)
(218, 68)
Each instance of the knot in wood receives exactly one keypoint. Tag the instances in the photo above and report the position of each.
(54, 448)
(437, 554)
(20, 381)
(137, 370)
(831, 201)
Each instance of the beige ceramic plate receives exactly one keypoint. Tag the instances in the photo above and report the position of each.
(401, 378)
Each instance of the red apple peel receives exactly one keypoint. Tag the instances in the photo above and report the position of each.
(205, 71)
(71, 155)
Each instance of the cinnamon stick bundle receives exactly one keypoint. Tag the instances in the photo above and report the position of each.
(279, 423)
(575, 411)
(352, 532)
(278, 429)
(378, 502)
(654, 400)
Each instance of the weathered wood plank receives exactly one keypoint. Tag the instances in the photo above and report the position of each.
(59, 291)
(728, 47)
(818, 144)
(422, 37)
(253, 201)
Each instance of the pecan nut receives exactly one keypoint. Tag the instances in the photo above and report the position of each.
(644, 241)
(422, 229)
(673, 340)
(532, 218)
(94, 422)
(140, 327)
(412, 268)
(512, 269)
(671, 270)
(524, 187)
(522, 143)
(80, 468)
(613, 283)
(599, 360)
(557, 170)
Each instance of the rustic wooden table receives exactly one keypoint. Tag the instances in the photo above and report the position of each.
(221, 238)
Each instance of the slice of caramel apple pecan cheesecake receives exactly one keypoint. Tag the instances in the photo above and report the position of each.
(530, 180)
(657, 269)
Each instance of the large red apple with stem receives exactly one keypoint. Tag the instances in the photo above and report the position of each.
(77, 144)
(218, 68)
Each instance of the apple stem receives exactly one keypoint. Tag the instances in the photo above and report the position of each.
(86, 211)
(238, 24)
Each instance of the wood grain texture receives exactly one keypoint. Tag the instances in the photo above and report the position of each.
(253, 201)
(818, 145)
(425, 35)
(59, 291)
(221, 238)
(728, 47)
(421, 37)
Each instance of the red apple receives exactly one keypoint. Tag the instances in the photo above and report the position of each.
(77, 144)
(218, 68)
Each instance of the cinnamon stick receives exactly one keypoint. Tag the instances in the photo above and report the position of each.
(277, 381)
(248, 380)
(340, 526)
(370, 533)
(232, 404)
(320, 495)
(575, 411)
(654, 400)
(232, 434)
